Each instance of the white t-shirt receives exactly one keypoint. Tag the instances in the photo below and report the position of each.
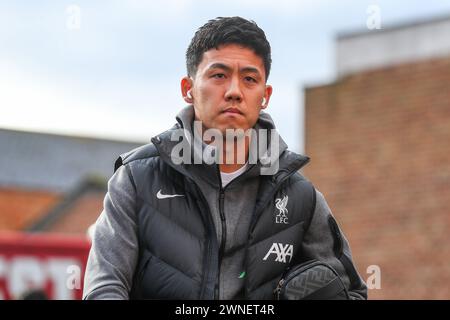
(228, 177)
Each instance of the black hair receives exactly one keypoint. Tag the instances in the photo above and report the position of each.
(227, 30)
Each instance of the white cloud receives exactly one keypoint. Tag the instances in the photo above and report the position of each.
(126, 112)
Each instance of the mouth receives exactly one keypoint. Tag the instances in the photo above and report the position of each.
(232, 111)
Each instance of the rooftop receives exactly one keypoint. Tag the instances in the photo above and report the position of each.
(362, 50)
(52, 162)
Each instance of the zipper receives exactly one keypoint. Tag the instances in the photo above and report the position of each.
(277, 290)
(208, 245)
(285, 278)
(223, 238)
(223, 223)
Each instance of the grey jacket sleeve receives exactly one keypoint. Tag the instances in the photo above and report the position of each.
(114, 252)
(326, 242)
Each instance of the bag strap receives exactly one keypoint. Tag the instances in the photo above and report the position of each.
(340, 254)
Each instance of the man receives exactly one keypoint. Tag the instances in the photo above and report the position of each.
(176, 227)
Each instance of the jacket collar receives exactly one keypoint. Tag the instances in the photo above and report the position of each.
(287, 161)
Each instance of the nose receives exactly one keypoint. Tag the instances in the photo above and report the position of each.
(234, 91)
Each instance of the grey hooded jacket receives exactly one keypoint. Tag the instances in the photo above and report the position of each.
(170, 231)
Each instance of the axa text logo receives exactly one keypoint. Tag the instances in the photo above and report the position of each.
(282, 251)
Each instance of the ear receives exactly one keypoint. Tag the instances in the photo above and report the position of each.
(266, 98)
(186, 89)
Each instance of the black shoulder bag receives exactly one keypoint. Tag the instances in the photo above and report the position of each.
(312, 280)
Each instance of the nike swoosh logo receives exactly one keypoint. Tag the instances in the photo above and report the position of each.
(159, 195)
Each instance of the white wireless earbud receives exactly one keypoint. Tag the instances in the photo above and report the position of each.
(188, 94)
(263, 101)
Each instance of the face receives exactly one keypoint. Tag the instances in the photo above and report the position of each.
(228, 88)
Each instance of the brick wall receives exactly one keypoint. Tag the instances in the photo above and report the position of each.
(379, 143)
(19, 208)
(81, 215)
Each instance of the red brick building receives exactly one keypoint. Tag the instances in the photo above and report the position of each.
(51, 191)
(54, 183)
(379, 139)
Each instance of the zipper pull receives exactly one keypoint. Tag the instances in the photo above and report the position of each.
(277, 290)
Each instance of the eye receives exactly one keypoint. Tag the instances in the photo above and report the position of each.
(218, 76)
(250, 79)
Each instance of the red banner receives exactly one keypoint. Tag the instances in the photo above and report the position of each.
(52, 265)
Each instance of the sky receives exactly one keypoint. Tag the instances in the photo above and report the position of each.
(112, 69)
